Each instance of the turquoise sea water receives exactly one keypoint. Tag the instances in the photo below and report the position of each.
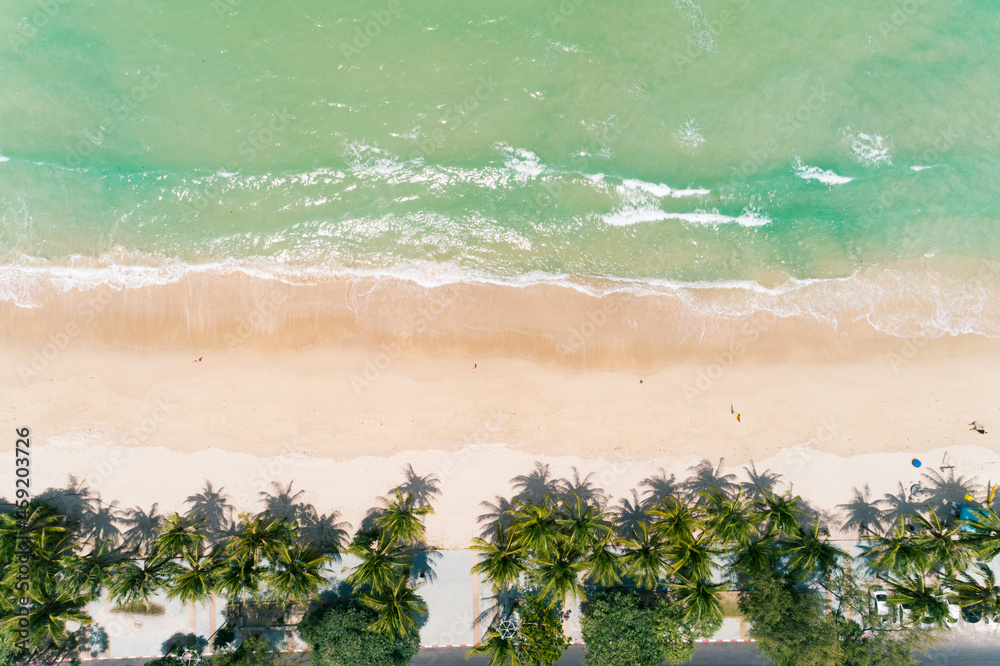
(668, 144)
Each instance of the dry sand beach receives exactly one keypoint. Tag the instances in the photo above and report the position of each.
(140, 422)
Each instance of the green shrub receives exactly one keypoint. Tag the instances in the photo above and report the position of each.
(339, 636)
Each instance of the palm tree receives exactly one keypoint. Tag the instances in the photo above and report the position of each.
(557, 573)
(238, 579)
(864, 515)
(700, 600)
(942, 544)
(47, 617)
(382, 565)
(603, 564)
(501, 561)
(39, 519)
(299, 573)
(809, 553)
(501, 651)
(676, 521)
(692, 559)
(196, 578)
(400, 520)
(755, 558)
(136, 582)
(582, 523)
(177, 537)
(728, 519)
(924, 601)
(780, 512)
(896, 552)
(534, 526)
(87, 575)
(644, 557)
(258, 539)
(397, 607)
(968, 591)
(985, 533)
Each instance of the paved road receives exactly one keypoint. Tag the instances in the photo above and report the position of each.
(954, 653)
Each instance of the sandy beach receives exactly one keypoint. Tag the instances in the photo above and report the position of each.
(829, 411)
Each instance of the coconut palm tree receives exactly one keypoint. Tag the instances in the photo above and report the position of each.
(692, 559)
(534, 526)
(897, 552)
(780, 512)
(675, 520)
(985, 535)
(557, 573)
(397, 607)
(259, 539)
(86, 575)
(728, 520)
(757, 557)
(39, 519)
(136, 582)
(863, 514)
(238, 579)
(985, 594)
(810, 553)
(401, 520)
(500, 560)
(502, 651)
(382, 565)
(602, 563)
(196, 577)
(644, 557)
(924, 601)
(583, 524)
(298, 574)
(177, 537)
(941, 544)
(699, 598)
(47, 617)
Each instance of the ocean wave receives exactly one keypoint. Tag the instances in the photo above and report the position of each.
(871, 150)
(912, 302)
(750, 217)
(522, 161)
(806, 172)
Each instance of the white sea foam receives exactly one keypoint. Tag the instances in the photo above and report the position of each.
(371, 159)
(689, 137)
(932, 305)
(522, 160)
(921, 168)
(4, 158)
(868, 149)
(806, 172)
(660, 190)
(629, 216)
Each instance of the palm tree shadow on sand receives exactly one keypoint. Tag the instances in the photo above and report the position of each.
(864, 515)
(423, 488)
(536, 485)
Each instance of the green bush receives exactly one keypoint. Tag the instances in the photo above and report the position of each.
(339, 636)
